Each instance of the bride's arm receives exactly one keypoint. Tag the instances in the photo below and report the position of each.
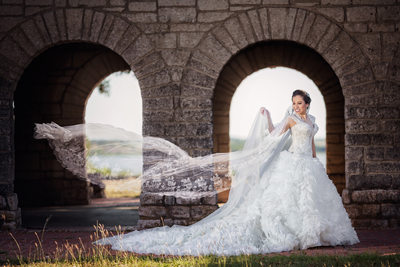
(265, 112)
(289, 124)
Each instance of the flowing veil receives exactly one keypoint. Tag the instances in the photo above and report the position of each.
(166, 167)
(272, 206)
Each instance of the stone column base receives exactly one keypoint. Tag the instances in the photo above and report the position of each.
(373, 208)
(10, 214)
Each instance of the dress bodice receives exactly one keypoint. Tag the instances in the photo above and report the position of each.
(302, 135)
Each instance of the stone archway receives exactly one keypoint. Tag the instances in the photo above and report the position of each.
(292, 55)
(291, 37)
(58, 26)
(55, 87)
(110, 36)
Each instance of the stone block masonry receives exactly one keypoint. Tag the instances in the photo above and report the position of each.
(185, 208)
(10, 213)
(189, 57)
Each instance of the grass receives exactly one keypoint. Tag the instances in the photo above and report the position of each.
(78, 255)
(106, 172)
(127, 187)
(244, 260)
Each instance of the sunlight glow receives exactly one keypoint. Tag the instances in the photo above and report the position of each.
(272, 88)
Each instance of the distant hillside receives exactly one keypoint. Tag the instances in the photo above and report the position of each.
(237, 144)
(320, 144)
(109, 147)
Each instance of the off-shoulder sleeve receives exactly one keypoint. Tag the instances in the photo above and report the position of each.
(312, 118)
(315, 126)
(294, 118)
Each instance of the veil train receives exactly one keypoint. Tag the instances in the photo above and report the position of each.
(166, 167)
(272, 205)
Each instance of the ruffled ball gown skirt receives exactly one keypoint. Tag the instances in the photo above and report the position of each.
(295, 206)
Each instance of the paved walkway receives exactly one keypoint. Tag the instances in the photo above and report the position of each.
(106, 211)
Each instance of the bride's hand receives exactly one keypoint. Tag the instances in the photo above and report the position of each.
(264, 111)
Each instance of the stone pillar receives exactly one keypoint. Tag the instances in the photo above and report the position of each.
(372, 194)
(10, 214)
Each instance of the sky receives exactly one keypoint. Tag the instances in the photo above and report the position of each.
(270, 87)
(122, 108)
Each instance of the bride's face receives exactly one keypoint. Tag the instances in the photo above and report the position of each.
(299, 105)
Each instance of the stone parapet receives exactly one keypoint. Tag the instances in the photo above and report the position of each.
(168, 208)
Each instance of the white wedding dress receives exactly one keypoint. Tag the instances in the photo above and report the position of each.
(291, 205)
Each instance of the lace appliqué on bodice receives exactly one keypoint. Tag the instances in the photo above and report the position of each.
(302, 135)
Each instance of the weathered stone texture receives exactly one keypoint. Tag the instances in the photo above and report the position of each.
(189, 39)
(212, 16)
(212, 5)
(176, 15)
(184, 208)
(91, 3)
(361, 13)
(388, 13)
(142, 6)
(356, 27)
(335, 13)
(275, 2)
(176, 2)
(376, 196)
(141, 17)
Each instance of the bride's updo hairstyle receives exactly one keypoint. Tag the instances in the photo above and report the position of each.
(306, 97)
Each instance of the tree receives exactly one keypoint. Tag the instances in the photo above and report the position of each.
(104, 86)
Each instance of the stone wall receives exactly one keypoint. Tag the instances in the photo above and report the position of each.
(178, 51)
(157, 209)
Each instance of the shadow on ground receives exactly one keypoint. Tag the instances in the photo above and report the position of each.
(109, 212)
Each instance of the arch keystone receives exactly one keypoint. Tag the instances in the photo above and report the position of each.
(74, 23)
(277, 22)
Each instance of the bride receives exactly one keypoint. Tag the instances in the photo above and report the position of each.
(280, 197)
